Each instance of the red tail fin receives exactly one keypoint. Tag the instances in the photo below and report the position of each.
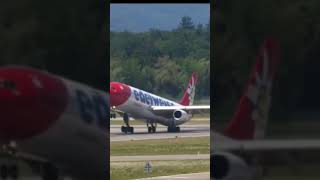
(188, 96)
(250, 118)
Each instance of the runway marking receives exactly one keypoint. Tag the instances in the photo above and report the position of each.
(160, 157)
(191, 176)
(150, 138)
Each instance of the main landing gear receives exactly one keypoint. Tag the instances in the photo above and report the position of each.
(152, 127)
(9, 171)
(49, 172)
(126, 129)
(9, 166)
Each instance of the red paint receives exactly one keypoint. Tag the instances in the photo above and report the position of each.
(33, 106)
(119, 93)
(242, 126)
(185, 101)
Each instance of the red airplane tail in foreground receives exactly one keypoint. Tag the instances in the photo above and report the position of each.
(250, 118)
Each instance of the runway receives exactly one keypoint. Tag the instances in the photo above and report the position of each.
(198, 176)
(160, 157)
(141, 132)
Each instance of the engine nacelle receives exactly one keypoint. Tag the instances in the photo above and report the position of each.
(227, 166)
(180, 115)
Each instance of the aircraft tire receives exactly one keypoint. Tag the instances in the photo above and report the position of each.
(113, 115)
(149, 130)
(131, 130)
(124, 129)
(13, 171)
(50, 172)
(153, 129)
(4, 172)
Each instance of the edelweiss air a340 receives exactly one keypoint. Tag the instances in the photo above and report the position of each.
(241, 152)
(153, 109)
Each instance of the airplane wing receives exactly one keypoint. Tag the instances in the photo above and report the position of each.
(185, 108)
(266, 145)
(30, 160)
(168, 110)
(12, 153)
(273, 152)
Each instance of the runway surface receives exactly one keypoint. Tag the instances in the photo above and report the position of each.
(160, 157)
(141, 132)
(198, 176)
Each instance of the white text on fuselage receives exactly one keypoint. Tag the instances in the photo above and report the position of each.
(149, 99)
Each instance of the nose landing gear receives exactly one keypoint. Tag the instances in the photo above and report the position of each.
(126, 129)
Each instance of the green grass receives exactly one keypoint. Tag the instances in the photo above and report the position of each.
(161, 147)
(134, 170)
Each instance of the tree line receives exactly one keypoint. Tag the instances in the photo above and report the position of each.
(239, 30)
(162, 61)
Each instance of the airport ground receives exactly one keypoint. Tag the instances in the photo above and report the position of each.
(169, 153)
(287, 130)
(135, 170)
(192, 145)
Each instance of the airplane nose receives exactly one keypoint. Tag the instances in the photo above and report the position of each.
(31, 104)
(119, 93)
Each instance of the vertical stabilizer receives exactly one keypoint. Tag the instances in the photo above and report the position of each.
(188, 96)
(251, 116)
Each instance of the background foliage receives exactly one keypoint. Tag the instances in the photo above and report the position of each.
(239, 29)
(68, 38)
(161, 61)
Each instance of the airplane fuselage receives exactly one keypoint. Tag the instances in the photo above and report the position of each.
(55, 119)
(138, 105)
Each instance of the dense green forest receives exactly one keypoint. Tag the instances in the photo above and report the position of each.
(68, 38)
(239, 28)
(162, 61)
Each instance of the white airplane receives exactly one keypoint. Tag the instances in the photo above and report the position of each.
(57, 126)
(241, 152)
(153, 109)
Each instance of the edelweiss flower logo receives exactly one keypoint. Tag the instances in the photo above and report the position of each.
(191, 91)
(259, 95)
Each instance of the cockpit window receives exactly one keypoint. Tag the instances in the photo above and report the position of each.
(7, 84)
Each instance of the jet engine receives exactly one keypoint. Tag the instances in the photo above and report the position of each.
(227, 166)
(180, 115)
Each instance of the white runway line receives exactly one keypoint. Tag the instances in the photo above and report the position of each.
(160, 157)
(192, 176)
